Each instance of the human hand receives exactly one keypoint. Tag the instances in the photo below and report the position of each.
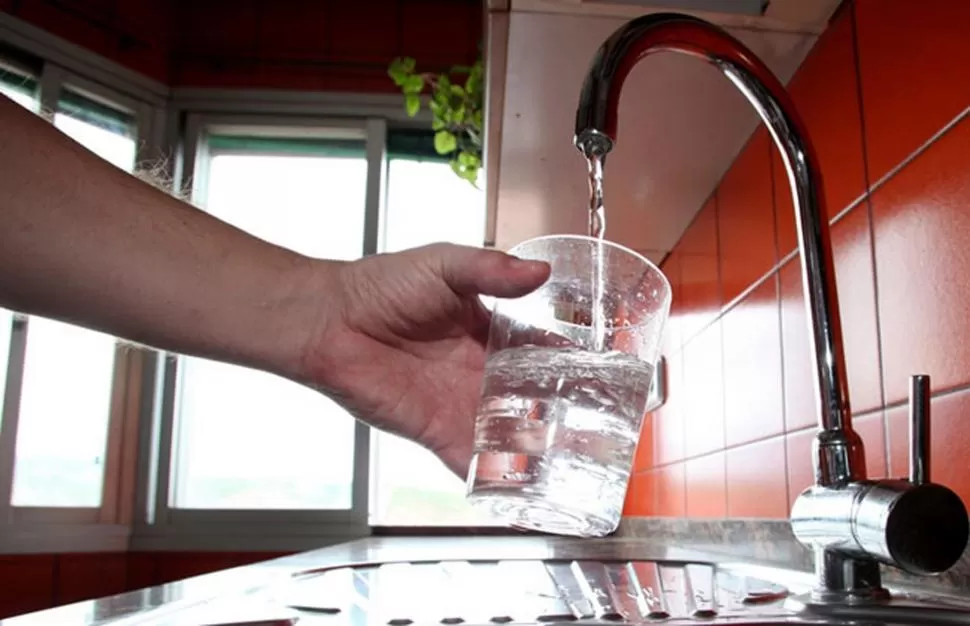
(403, 347)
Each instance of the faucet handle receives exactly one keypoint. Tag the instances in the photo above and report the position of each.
(919, 429)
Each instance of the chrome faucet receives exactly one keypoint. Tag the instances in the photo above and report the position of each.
(851, 523)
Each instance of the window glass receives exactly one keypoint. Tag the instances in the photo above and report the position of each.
(20, 88)
(426, 203)
(68, 371)
(247, 439)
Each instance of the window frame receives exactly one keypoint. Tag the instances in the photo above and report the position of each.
(52, 81)
(158, 522)
(167, 120)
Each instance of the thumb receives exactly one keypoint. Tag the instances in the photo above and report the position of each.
(474, 271)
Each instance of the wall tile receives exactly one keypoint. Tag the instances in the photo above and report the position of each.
(640, 496)
(800, 403)
(753, 407)
(746, 218)
(672, 339)
(671, 489)
(852, 251)
(912, 62)
(668, 420)
(700, 277)
(801, 473)
(826, 95)
(756, 483)
(141, 570)
(27, 582)
(703, 393)
(706, 487)
(86, 576)
(644, 454)
(922, 226)
(949, 442)
(364, 31)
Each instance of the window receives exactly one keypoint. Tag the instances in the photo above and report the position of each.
(19, 87)
(22, 89)
(247, 439)
(68, 371)
(426, 203)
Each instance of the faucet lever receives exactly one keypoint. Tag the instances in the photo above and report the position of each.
(919, 429)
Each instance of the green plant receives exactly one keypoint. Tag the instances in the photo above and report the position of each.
(456, 100)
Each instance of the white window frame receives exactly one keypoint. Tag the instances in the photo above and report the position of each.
(158, 524)
(105, 527)
(134, 514)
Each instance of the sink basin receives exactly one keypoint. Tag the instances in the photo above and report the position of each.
(546, 592)
(583, 592)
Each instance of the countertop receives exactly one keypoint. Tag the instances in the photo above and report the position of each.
(139, 606)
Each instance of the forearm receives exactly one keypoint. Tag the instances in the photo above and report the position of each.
(87, 243)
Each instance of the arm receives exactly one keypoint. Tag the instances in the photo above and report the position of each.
(87, 243)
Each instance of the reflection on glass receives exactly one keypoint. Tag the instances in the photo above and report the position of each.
(6, 326)
(426, 203)
(22, 90)
(246, 439)
(19, 88)
(68, 371)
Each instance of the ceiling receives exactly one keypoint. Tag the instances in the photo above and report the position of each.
(681, 122)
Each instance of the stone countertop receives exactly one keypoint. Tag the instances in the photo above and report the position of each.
(148, 604)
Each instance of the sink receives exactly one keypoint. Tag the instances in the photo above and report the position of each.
(600, 592)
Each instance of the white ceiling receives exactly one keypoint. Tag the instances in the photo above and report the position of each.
(681, 122)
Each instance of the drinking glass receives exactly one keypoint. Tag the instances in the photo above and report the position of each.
(567, 376)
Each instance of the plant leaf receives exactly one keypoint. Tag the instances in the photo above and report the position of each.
(445, 142)
(412, 102)
(413, 84)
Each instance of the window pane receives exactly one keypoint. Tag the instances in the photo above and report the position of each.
(20, 88)
(247, 439)
(68, 371)
(6, 326)
(426, 203)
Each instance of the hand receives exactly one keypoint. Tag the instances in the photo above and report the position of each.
(404, 349)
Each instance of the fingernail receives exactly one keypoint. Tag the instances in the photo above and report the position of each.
(517, 263)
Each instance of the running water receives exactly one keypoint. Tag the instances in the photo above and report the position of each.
(597, 229)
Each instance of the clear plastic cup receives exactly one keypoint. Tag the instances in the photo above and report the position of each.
(566, 388)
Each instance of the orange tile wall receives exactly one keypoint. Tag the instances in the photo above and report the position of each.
(885, 95)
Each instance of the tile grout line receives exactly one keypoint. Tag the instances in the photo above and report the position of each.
(921, 149)
(951, 391)
(880, 357)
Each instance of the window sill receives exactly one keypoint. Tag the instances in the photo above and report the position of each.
(241, 537)
(64, 538)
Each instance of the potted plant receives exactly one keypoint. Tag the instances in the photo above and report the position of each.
(456, 99)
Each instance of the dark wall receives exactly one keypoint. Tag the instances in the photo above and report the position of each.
(33, 582)
(319, 45)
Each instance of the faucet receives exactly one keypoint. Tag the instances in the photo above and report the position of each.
(852, 524)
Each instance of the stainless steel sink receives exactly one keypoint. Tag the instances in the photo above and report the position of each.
(583, 591)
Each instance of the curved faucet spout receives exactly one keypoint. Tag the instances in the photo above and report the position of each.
(839, 457)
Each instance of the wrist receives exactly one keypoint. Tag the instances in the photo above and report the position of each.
(305, 306)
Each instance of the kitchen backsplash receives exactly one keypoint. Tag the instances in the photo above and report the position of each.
(885, 96)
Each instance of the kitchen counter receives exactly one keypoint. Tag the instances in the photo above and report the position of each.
(148, 605)
(747, 552)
